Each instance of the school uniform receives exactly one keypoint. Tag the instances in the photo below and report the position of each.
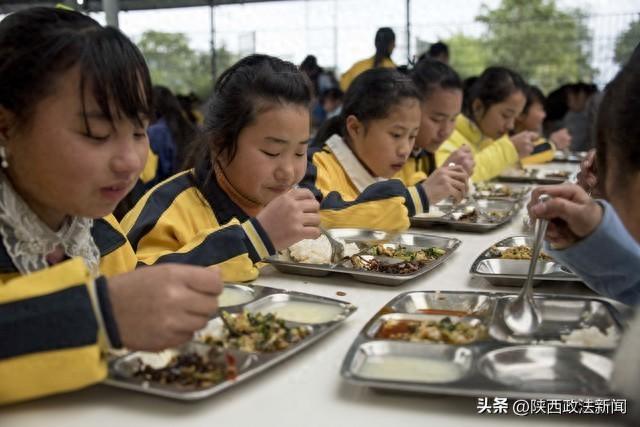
(57, 323)
(359, 68)
(178, 222)
(351, 197)
(419, 165)
(492, 156)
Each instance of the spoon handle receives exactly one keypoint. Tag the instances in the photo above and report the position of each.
(541, 230)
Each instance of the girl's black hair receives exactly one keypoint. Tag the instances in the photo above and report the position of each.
(493, 86)
(250, 86)
(534, 95)
(166, 106)
(385, 38)
(38, 45)
(437, 49)
(618, 128)
(371, 96)
(429, 74)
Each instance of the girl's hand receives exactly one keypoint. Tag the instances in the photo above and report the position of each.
(444, 182)
(572, 214)
(523, 142)
(162, 306)
(463, 156)
(561, 139)
(291, 217)
(588, 177)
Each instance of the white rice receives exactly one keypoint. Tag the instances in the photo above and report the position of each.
(318, 251)
(591, 337)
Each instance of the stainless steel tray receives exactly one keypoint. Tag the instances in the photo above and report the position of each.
(570, 157)
(248, 364)
(533, 176)
(362, 237)
(532, 367)
(489, 191)
(509, 208)
(513, 272)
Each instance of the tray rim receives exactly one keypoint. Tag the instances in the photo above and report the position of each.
(466, 386)
(360, 275)
(270, 359)
(473, 270)
(417, 221)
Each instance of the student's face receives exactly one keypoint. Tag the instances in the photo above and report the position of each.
(439, 113)
(59, 170)
(500, 118)
(533, 118)
(271, 154)
(384, 145)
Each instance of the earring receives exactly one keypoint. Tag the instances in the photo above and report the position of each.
(3, 157)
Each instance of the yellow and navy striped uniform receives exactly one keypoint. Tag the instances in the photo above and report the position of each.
(418, 167)
(177, 222)
(385, 205)
(491, 156)
(56, 323)
(543, 152)
(359, 68)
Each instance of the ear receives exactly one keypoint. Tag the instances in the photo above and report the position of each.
(477, 107)
(7, 123)
(355, 128)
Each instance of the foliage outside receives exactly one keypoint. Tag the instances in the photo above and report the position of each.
(548, 46)
(173, 63)
(626, 42)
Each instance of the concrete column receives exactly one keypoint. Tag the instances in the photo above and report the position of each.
(111, 9)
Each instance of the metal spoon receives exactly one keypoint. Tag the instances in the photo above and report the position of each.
(337, 248)
(522, 315)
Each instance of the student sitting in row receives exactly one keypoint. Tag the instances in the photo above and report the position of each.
(239, 203)
(494, 101)
(385, 42)
(441, 89)
(74, 107)
(600, 240)
(366, 145)
(531, 119)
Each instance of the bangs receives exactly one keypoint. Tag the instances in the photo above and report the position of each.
(115, 71)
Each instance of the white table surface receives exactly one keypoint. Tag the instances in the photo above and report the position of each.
(307, 389)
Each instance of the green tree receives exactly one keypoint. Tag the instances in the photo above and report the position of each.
(173, 63)
(546, 45)
(469, 55)
(626, 42)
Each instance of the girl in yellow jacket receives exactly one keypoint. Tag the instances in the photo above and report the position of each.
(73, 111)
(362, 148)
(531, 119)
(238, 204)
(494, 101)
(385, 42)
(441, 90)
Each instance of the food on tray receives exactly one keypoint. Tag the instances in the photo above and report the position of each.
(408, 368)
(516, 252)
(413, 260)
(428, 254)
(304, 311)
(318, 251)
(521, 173)
(189, 369)
(489, 190)
(443, 331)
(254, 333)
(233, 296)
(591, 336)
(471, 215)
(558, 174)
